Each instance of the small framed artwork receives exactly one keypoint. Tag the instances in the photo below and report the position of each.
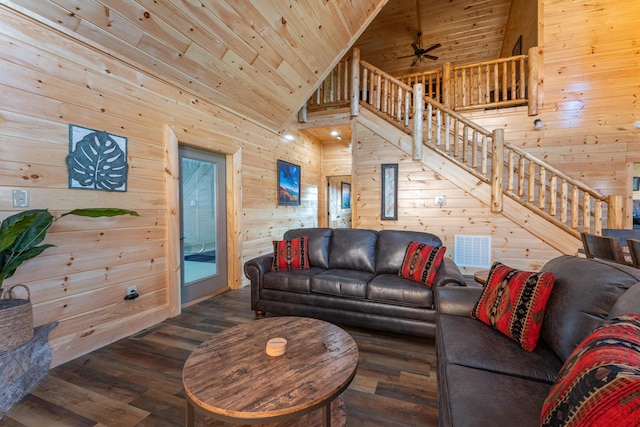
(389, 192)
(346, 195)
(636, 183)
(288, 184)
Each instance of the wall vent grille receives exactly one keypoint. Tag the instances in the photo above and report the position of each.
(472, 251)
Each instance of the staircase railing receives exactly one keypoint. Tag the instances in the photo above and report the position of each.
(564, 201)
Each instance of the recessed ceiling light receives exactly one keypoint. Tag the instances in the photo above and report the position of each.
(334, 133)
(289, 137)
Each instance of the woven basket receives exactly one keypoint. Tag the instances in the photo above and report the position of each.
(16, 319)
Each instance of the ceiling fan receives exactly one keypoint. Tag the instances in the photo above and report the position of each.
(419, 53)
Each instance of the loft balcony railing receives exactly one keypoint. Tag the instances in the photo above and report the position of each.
(511, 171)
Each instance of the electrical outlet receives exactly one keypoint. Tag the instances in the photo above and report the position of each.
(21, 198)
(496, 254)
(440, 200)
(132, 290)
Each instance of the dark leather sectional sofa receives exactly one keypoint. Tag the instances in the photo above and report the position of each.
(353, 280)
(486, 379)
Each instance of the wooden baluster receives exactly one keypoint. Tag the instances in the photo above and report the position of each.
(407, 105)
(448, 93)
(399, 106)
(575, 207)
(447, 128)
(465, 142)
(532, 182)
(511, 168)
(563, 201)
(456, 140)
(586, 213)
(438, 127)
(553, 193)
(504, 88)
(521, 176)
(474, 149)
(464, 87)
(429, 120)
(484, 155)
(496, 83)
(523, 79)
(365, 93)
(542, 196)
(378, 91)
(513, 79)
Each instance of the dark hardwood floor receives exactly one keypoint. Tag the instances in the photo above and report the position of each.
(137, 381)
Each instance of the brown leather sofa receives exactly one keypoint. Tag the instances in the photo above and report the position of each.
(486, 379)
(353, 280)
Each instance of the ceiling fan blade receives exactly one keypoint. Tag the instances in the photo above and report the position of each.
(416, 49)
(435, 46)
(407, 56)
(431, 57)
(415, 61)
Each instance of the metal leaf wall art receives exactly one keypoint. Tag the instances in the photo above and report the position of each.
(97, 160)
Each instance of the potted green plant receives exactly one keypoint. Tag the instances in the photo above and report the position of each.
(20, 238)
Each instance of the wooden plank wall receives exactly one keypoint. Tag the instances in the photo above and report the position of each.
(50, 80)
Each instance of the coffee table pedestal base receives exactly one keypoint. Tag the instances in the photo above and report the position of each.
(312, 419)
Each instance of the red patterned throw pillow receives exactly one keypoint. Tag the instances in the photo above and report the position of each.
(513, 302)
(421, 262)
(291, 254)
(599, 384)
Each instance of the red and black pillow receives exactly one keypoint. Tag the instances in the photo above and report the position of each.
(513, 302)
(291, 254)
(599, 384)
(421, 262)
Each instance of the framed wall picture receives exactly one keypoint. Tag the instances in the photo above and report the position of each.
(97, 160)
(389, 192)
(288, 184)
(346, 195)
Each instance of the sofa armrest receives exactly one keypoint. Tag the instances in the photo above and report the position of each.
(448, 274)
(255, 270)
(456, 300)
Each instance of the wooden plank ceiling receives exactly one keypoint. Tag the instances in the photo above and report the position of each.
(259, 58)
(263, 58)
(469, 32)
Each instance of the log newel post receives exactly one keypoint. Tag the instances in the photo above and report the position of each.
(302, 114)
(532, 82)
(355, 82)
(497, 170)
(614, 211)
(418, 113)
(446, 85)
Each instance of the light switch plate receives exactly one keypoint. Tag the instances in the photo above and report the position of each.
(21, 198)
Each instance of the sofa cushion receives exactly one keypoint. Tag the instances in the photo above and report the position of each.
(291, 280)
(421, 262)
(600, 382)
(346, 283)
(353, 249)
(319, 240)
(389, 288)
(392, 246)
(475, 397)
(291, 254)
(467, 342)
(514, 302)
(584, 292)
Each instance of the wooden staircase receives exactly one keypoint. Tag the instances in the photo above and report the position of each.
(530, 192)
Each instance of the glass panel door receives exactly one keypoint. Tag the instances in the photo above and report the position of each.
(203, 223)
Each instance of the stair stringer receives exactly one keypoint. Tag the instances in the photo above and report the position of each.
(452, 171)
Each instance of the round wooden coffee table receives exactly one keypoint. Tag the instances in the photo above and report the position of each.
(232, 379)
